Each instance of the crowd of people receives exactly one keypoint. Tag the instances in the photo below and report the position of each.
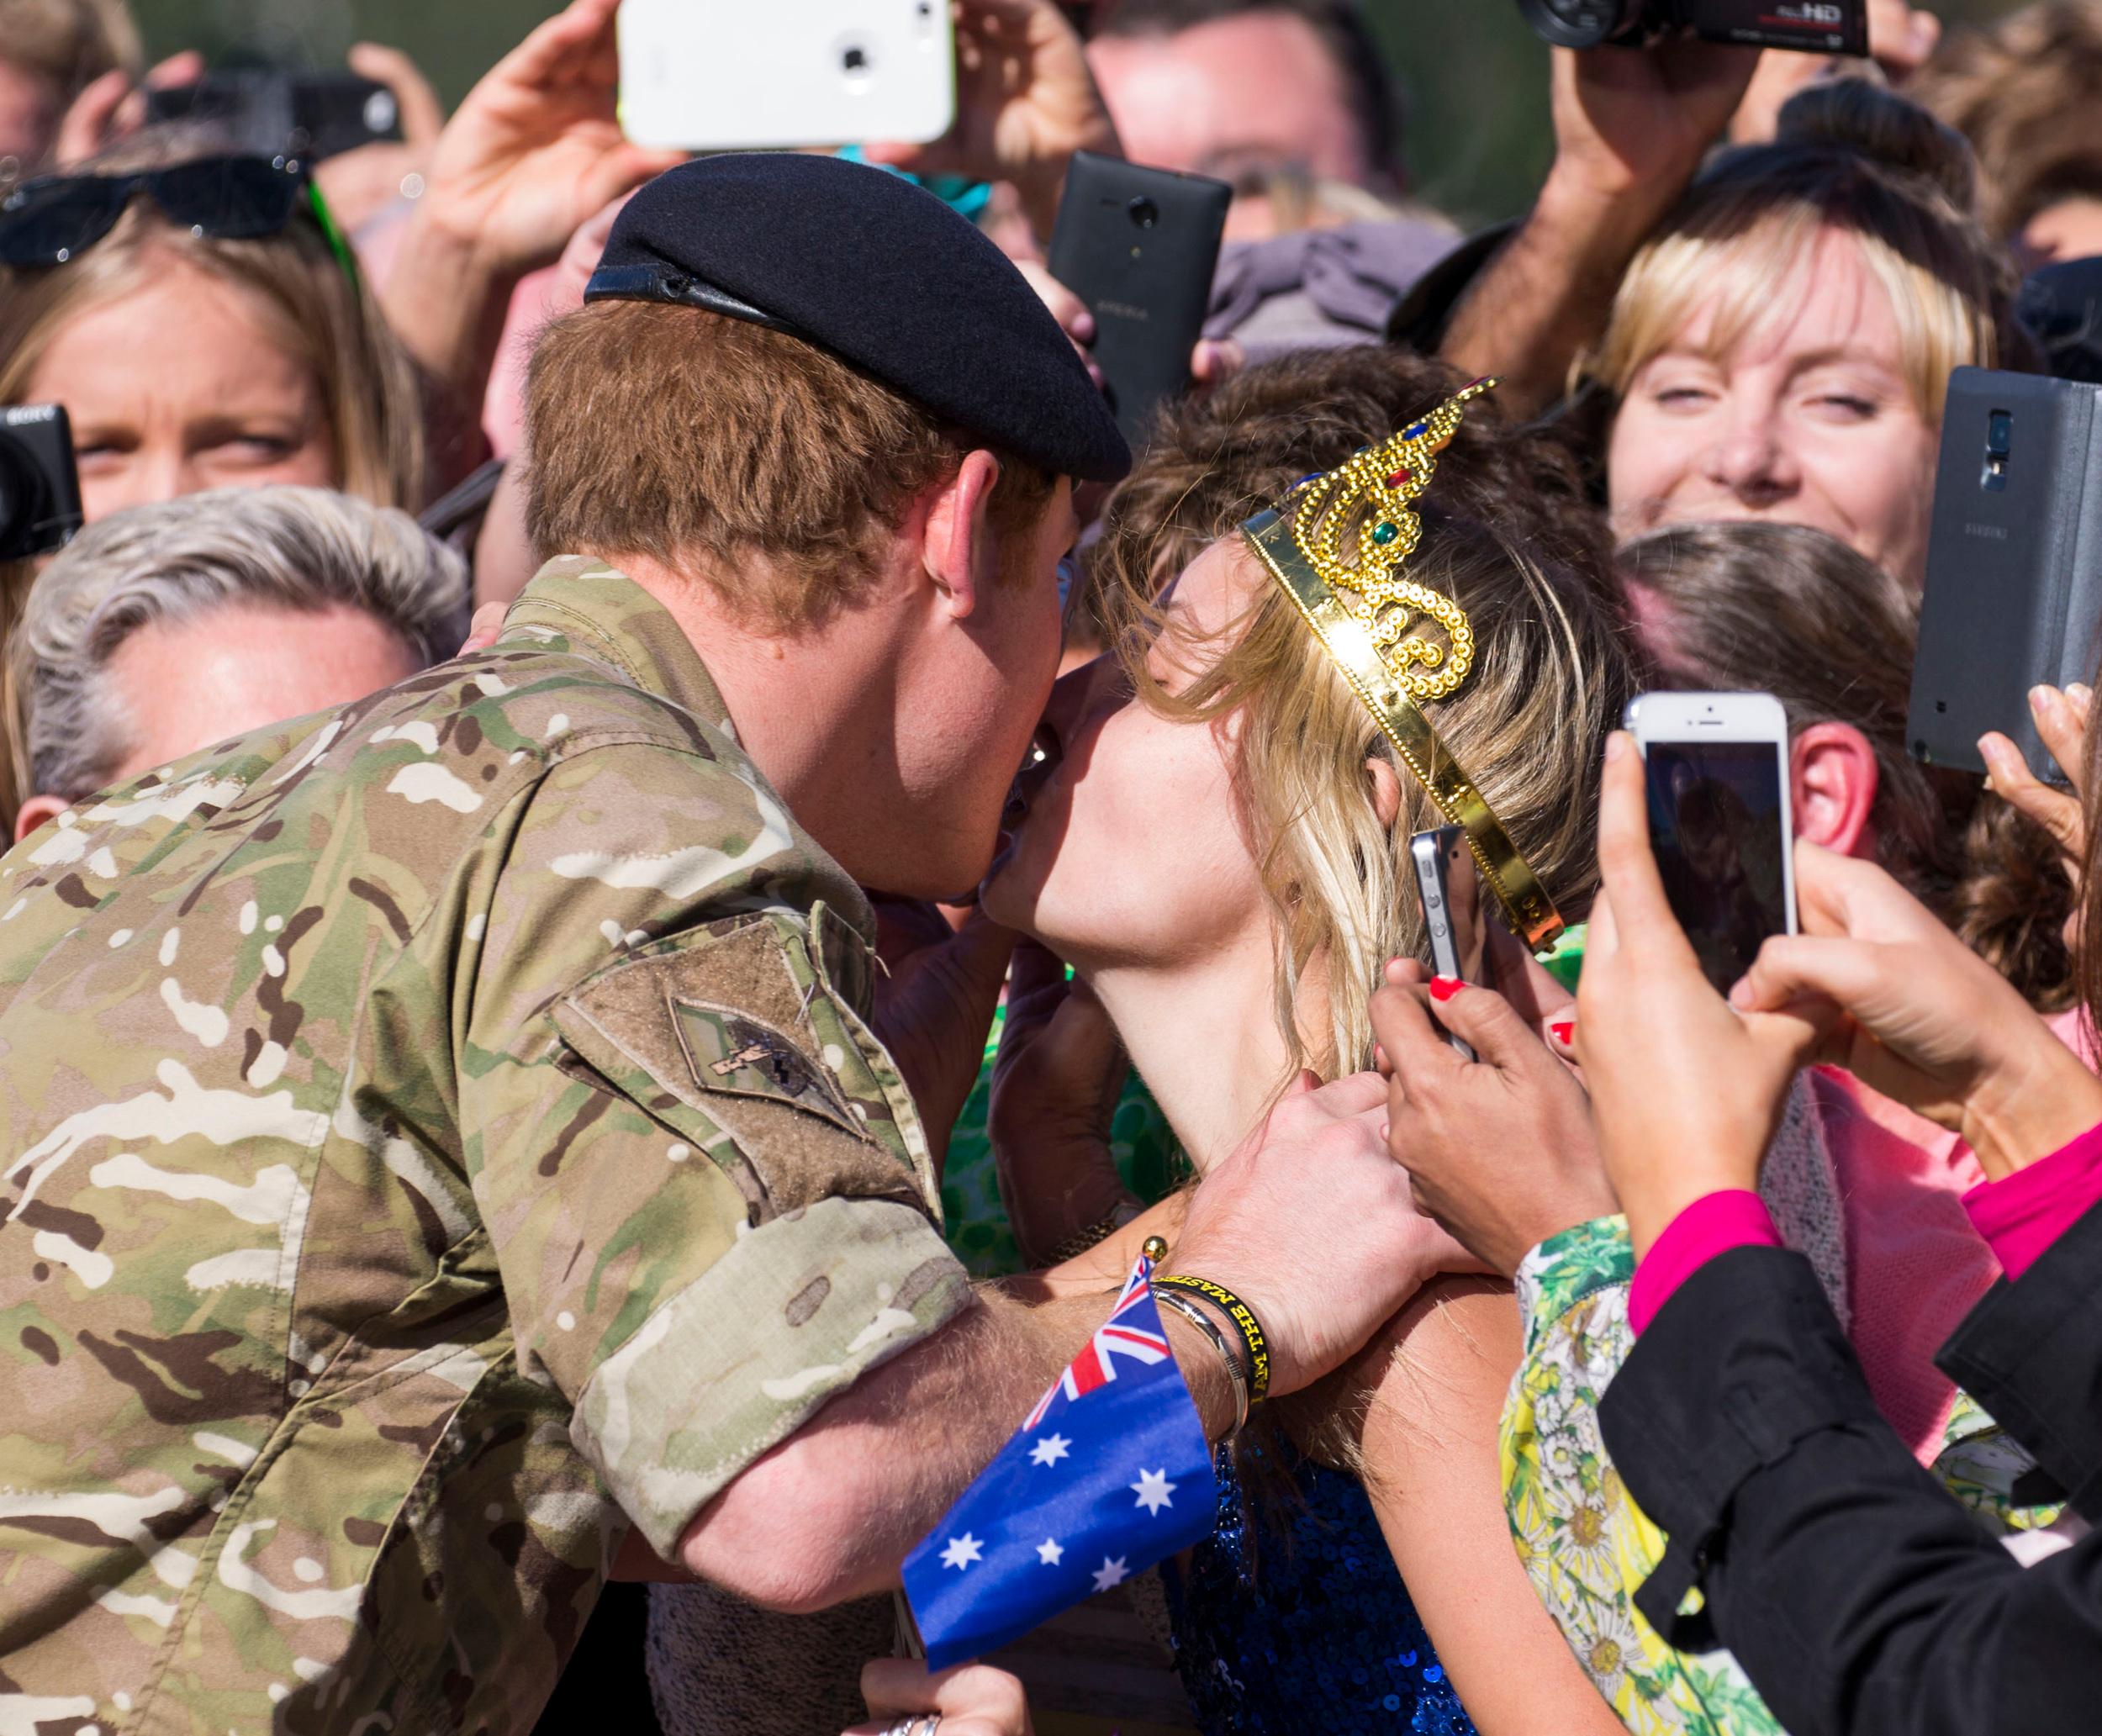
(648, 858)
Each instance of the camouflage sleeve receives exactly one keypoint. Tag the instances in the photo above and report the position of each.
(707, 1189)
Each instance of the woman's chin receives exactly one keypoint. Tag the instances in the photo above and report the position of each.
(1002, 894)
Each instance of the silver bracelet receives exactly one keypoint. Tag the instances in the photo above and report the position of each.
(1202, 1322)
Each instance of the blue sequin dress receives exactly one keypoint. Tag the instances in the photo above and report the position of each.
(1306, 1629)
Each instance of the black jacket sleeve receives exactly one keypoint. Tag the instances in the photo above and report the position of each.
(1857, 1595)
(2031, 1354)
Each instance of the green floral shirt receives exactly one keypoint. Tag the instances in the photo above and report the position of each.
(1587, 1547)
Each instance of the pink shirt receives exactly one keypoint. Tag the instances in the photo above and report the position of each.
(1916, 1264)
(1713, 1224)
(2025, 1213)
(2019, 1217)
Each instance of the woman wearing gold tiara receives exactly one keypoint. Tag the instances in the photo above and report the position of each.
(1217, 843)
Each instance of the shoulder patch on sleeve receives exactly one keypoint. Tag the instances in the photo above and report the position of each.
(727, 1035)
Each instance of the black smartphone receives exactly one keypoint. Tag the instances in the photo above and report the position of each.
(1449, 887)
(313, 115)
(2013, 593)
(39, 486)
(1716, 769)
(1139, 246)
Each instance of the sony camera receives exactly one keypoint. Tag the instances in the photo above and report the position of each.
(1818, 27)
(39, 489)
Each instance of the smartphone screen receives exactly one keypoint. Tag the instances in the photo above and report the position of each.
(1718, 827)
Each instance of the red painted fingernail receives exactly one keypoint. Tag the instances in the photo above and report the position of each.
(1564, 1031)
(1445, 988)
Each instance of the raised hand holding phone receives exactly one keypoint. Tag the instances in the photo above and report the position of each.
(1449, 888)
(1499, 1151)
(1685, 1091)
(1139, 247)
(1025, 103)
(1925, 1021)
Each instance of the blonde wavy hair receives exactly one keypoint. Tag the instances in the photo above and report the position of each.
(1507, 533)
(1847, 156)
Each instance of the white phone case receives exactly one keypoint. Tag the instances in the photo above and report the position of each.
(721, 75)
(1725, 717)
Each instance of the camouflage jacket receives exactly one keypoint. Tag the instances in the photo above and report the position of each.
(437, 1133)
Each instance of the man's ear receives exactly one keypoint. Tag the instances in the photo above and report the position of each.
(958, 548)
(37, 811)
(1385, 790)
(1832, 782)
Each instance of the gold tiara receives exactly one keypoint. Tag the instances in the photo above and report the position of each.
(1372, 620)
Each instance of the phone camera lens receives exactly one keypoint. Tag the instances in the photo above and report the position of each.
(1143, 213)
(855, 60)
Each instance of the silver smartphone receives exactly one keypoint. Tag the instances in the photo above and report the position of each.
(1450, 889)
(1716, 766)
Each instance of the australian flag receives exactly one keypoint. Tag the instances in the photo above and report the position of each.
(1109, 1474)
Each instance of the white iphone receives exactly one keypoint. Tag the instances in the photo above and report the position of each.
(726, 74)
(1717, 768)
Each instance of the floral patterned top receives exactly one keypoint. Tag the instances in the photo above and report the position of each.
(1588, 1548)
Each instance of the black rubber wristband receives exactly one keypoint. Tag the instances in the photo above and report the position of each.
(1244, 1322)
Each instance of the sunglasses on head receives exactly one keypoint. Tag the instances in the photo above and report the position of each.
(53, 220)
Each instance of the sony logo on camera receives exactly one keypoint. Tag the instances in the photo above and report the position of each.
(1813, 26)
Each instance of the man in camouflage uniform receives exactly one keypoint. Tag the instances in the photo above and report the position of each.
(445, 1133)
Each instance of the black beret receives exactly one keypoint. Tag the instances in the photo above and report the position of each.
(883, 274)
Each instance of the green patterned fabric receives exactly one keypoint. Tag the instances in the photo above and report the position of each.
(1586, 1546)
(1141, 1141)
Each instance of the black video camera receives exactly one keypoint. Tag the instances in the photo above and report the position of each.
(39, 489)
(1818, 27)
(266, 110)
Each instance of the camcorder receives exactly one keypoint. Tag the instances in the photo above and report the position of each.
(39, 489)
(1818, 27)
